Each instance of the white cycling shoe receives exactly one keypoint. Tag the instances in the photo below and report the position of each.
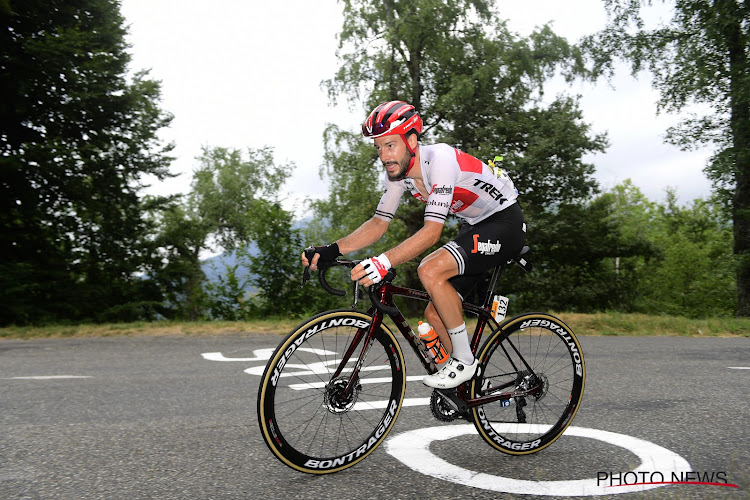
(453, 374)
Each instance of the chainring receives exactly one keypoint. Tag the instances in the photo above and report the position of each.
(441, 409)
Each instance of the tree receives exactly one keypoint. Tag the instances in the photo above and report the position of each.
(478, 86)
(655, 258)
(634, 255)
(692, 272)
(78, 138)
(700, 57)
(587, 259)
(275, 268)
(233, 203)
(181, 239)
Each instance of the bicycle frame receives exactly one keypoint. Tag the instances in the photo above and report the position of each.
(389, 290)
(385, 294)
(358, 365)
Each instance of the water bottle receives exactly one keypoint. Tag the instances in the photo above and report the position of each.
(435, 348)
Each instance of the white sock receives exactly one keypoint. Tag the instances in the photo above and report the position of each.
(461, 347)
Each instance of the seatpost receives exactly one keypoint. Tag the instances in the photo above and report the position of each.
(493, 282)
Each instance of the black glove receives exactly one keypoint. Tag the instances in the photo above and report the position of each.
(328, 253)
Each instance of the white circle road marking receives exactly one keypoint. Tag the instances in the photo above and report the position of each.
(260, 355)
(412, 448)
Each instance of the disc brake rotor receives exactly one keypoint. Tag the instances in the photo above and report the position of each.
(336, 401)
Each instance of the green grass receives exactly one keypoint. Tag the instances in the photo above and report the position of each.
(643, 324)
(266, 326)
(582, 324)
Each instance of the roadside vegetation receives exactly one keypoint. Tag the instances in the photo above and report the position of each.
(617, 324)
(83, 243)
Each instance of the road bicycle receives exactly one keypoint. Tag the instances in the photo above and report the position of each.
(335, 385)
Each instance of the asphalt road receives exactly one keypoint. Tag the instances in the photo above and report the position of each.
(151, 417)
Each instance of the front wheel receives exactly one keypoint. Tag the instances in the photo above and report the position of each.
(307, 418)
(536, 361)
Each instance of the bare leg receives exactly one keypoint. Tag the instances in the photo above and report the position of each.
(434, 272)
(434, 319)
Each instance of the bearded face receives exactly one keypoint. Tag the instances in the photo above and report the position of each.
(394, 155)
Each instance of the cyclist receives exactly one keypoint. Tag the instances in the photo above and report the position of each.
(448, 181)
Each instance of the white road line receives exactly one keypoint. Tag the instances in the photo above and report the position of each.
(260, 354)
(739, 367)
(379, 405)
(320, 385)
(48, 377)
(319, 368)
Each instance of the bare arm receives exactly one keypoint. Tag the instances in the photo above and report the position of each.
(410, 248)
(416, 244)
(365, 235)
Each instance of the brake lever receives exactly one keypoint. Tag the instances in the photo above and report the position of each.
(356, 294)
(305, 276)
(309, 253)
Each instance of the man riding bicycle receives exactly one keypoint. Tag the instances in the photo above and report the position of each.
(448, 181)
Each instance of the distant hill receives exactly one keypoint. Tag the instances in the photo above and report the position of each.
(217, 265)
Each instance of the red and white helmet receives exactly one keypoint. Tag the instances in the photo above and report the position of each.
(393, 117)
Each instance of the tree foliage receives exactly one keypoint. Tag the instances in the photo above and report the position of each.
(233, 203)
(630, 254)
(478, 86)
(692, 272)
(702, 56)
(78, 139)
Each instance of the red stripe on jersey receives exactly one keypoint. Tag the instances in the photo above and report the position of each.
(468, 163)
(462, 198)
(419, 197)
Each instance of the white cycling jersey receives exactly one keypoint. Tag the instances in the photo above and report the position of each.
(456, 182)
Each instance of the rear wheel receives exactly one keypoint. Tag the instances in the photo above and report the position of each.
(308, 419)
(537, 361)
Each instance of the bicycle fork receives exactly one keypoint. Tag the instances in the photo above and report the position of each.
(367, 335)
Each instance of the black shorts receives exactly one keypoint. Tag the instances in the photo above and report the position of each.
(480, 247)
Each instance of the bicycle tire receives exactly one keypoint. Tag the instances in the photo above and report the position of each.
(303, 420)
(527, 424)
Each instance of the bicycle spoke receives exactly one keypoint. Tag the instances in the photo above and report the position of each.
(320, 423)
(540, 363)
